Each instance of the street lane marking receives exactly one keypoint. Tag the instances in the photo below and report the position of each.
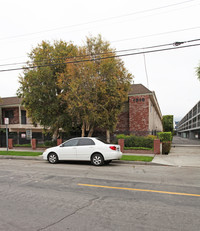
(141, 190)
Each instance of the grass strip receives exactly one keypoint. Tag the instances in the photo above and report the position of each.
(137, 158)
(18, 153)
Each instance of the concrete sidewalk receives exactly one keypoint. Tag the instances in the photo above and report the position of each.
(184, 152)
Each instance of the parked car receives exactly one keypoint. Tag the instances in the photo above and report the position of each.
(84, 148)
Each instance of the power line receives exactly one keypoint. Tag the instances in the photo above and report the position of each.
(82, 56)
(101, 58)
(106, 53)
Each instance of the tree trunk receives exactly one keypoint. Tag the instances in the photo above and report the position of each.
(55, 135)
(91, 131)
(108, 135)
(83, 130)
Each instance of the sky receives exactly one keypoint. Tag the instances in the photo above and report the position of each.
(127, 24)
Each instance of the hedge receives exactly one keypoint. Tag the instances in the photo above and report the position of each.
(136, 141)
(166, 138)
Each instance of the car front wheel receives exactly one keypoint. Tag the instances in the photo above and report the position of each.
(53, 158)
(97, 159)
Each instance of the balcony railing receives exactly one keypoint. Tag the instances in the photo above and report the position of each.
(17, 120)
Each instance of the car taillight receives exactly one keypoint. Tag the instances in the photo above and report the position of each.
(113, 148)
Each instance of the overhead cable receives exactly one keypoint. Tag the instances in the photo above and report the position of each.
(100, 58)
(105, 53)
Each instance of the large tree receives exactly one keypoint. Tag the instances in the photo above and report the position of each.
(39, 85)
(97, 88)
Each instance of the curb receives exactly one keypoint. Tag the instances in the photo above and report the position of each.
(137, 163)
(114, 161)
(21, 157)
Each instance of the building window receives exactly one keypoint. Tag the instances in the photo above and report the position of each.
(9, 114)
(23, 117)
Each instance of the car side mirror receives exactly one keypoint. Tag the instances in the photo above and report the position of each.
(62, 145)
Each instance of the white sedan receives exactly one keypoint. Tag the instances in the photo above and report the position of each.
(84, 148)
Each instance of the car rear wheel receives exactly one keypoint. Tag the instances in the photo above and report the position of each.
(52, 158)
(97, 159)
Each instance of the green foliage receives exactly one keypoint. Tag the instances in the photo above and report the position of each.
(136, 141)
(152, 137)
(58, 95)
(136, 148)
(96, 90)
(168, 123)
(198, 72)
(19, 153)
(121, 136)
(166, 147)
(39, 86)
(50, 143)
(165, 136)
(137, 158)
(22, 145)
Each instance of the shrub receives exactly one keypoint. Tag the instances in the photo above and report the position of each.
(22, 145)
(121, 136)
(166, 146)
(50, 143)
(165, 136)
(152, 137)
(136, 141)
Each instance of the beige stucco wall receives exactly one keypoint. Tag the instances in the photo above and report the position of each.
(155, 122)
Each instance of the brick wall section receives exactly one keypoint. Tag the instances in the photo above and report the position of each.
(123, 124)
(139, 113)
(59, 141)
(157, 146)
(34, 144)
(121, 143)
(10, 143)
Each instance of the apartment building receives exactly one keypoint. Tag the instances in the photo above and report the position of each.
(141, 114)
(189, 126)
(19, 125)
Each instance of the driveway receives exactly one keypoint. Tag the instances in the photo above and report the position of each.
(184, 152)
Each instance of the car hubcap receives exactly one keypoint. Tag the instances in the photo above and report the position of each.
(97, 160)
(52, 158)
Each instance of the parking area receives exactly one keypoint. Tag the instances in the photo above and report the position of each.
(184, 152)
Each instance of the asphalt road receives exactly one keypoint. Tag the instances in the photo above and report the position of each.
(35, 195)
